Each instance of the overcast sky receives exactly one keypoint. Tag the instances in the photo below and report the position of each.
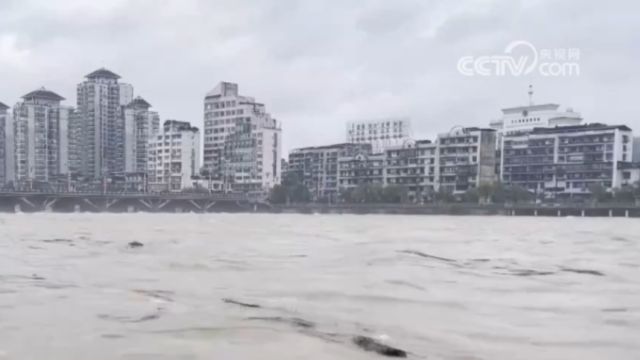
(318, 64)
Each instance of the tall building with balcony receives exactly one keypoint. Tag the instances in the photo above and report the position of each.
(40, 137)
(466, 159)
(99, 125)
(567, 160)
(174, 157)
(414, 167)
(6, 144)
(140, 126)
(381, 133)
(242, 142)
(317, 167)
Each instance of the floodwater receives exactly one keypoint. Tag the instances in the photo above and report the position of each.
(438, 287)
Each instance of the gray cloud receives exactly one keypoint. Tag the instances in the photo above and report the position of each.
(319, 64)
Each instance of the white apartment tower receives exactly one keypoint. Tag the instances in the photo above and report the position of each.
(6, 143)
(140, 125)
(242, 142)
(381, 133)
(99, 125)
(174, 156)
(41, 136)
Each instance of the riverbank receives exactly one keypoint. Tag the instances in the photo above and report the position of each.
(602, 210)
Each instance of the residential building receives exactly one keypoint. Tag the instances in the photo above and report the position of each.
(6, 144)
(174, 157)
(99, 125)
(361, 169)
(466, 159)
(242, 142)
(636, 150)
(381, 133)
(140, 126)
(41, 137)
(317, 167)
(414, 167)
(567, 160)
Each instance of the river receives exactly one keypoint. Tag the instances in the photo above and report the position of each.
(439, 287)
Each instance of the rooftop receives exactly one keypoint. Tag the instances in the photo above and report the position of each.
(223, 89)
(578, 128)
(139, 102)
(43, 93)
(180, 125)
(3, 106)
(328, 147)
(103, 73)
(520, 109)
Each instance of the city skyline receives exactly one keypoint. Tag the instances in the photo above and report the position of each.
(375, 60)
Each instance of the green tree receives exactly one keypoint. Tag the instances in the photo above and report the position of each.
(444, 196)
(484, 192)
(292, 190)
(599, 193)
(471, 196)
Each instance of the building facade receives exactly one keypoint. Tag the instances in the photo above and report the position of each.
(40, 138)
(242, 142)
(140, 125)
(360, 170)
(99, 149)
(174, 157)
(317, 167)
(6, 143)
(525, 118)
(466, 159)
(381, 134)
(414, 167)
(566, 161)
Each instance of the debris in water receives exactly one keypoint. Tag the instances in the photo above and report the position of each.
(420, 253)
(302, 323)
(369, 344)
(240, 303)
(529, 272)
(135, 244)
(583, 271)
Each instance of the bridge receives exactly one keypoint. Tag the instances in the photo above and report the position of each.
(130, 202)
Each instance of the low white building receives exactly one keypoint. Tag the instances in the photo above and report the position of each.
(174, 157)
(380, 133)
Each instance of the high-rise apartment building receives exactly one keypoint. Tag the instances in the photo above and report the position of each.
(174, 157)
(381, 134)
(567, 160)
(242, 142)
(140, 125)
(40, 137)
(6, 142)
(99, 125)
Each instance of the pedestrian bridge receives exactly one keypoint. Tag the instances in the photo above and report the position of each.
(129, 202)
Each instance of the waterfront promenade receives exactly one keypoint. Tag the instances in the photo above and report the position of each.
(127, 202)
(28, 202)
